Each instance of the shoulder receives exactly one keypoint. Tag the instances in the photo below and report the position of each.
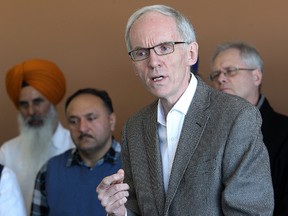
(65, 155)
(57, 162)
(62, 138)
(216, 104)
(61, 131)
(145, 112)
(8, 172)
(273, 119)
(209, 96)
(8, 150)
(8, 177)
(12, 143)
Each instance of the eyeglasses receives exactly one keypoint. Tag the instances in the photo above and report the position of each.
(166, 48)
(228, 72)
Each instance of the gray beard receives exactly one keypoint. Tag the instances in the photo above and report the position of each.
(36, 146)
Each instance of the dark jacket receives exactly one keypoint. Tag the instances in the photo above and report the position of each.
(275, 135)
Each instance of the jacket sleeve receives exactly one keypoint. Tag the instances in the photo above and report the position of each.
(246, 169)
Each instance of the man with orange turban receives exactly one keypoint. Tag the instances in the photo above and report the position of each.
(35, 87)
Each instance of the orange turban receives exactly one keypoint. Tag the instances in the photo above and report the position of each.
(42, 75)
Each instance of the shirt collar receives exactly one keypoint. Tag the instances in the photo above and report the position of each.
(182, 105)
(260, 101)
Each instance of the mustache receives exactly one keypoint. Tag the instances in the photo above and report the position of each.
(84, 135)
(34, 118)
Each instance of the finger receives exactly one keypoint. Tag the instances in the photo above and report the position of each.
(116, 207)
(110, 180)
(117, 202)
(112, 193)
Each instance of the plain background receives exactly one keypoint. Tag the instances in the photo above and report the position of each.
(85, 38)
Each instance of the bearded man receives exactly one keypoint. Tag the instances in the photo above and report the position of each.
(35, 87)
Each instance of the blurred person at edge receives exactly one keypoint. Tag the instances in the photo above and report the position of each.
(35, 87)
(237, 69)
(11, 200)
(194, 151)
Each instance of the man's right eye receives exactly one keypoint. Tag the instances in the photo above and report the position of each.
(141, 53)
(230, 70)
(72, 121)
(23, 105)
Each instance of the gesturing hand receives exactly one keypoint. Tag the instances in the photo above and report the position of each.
(113, 193)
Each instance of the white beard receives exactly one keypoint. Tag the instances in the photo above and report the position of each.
(35, 149)
(36, 146)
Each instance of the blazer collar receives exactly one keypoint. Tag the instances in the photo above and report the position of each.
(154, 158)
(194, 124)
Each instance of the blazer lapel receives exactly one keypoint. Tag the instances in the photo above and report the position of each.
(154, 159)
(192, 130)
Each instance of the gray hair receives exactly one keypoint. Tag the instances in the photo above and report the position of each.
(248, 53)
(184, 26)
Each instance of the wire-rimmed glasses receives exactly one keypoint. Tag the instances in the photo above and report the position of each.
(165, 48)
(228, 72)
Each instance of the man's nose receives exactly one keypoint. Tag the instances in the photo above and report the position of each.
(222, 78)
(153, 58)
(31, 109)
(83, 126)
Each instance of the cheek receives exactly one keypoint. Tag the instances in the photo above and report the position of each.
(137, 68)
(143, 78)
(74, 134)
(43, 111)
(101, 127)
(24, 113)
(140, 68)
(243, 84)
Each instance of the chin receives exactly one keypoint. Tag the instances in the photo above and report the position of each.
(228, 91)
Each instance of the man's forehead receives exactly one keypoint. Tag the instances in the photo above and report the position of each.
(153, 28)
(29, 93)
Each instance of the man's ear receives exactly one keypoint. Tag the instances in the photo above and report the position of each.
(257, 77)
(193, 53)
(112, 121)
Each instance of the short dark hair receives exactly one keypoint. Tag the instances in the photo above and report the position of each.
(96, 92)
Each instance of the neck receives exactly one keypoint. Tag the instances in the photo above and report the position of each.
(168, 103)
(254, 98)
(91, 156)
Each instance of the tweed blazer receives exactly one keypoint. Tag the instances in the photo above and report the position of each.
(221, 166)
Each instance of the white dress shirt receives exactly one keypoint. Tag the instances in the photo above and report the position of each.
(169, 129)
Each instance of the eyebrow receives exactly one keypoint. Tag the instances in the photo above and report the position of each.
(87, 115)
(138, 47)
(38, 99)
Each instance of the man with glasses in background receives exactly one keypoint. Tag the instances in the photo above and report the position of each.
(237, 69)
(194, 151)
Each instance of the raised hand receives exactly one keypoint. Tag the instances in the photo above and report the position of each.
(113, 193)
